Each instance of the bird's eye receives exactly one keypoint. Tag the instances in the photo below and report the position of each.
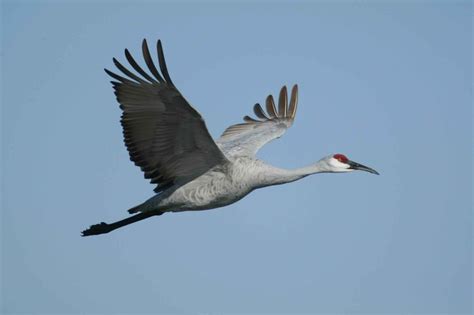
(341, 158)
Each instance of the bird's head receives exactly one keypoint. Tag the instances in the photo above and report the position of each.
(338, 163)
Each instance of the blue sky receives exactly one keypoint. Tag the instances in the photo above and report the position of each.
(389, 84)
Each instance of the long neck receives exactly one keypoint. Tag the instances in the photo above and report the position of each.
(277, 176)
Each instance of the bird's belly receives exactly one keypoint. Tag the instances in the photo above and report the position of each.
(206, 193)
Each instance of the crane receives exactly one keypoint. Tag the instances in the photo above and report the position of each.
(168, 139)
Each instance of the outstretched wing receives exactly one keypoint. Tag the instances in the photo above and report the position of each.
(247, 138)
(164, 135)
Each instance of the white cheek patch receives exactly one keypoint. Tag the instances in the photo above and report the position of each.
(338, 165)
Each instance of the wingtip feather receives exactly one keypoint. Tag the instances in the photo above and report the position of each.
(293, 102)
(258, 110)
(149, 62)
(161, 59)
(250, 119)
(271, 108)
(282, 102)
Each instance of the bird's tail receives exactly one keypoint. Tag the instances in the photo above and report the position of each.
(151, 205)
(135, 209)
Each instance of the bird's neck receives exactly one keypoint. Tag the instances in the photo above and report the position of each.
(281, 176)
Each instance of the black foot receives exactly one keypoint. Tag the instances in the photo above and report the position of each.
(96, 229)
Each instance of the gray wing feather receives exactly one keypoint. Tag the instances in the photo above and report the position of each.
(165, 136)
(248, 137)
(271, 109)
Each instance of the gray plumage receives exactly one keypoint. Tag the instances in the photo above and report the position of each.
(168, 139)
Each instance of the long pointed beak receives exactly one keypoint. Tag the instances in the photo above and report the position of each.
(360, 167)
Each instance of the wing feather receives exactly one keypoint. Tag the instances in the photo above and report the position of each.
(282, 102)
(250, 119)
(271, 109)
(118, 78)
(293, 102)
(164, 135)
(248, 137)
(127, 72)
(161, 59)
(137, 68)
(258, 110)
(149, 62)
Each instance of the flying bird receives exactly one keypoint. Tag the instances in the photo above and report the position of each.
(168, 139)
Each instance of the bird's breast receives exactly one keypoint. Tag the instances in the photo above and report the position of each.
(214, 189)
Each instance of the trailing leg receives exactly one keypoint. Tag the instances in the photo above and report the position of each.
(103, 227)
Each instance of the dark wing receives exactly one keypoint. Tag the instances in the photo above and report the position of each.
(164, 135)
(247, 138)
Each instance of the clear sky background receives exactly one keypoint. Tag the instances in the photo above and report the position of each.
(389, 84)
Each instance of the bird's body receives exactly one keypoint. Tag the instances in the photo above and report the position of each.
(168, 139)
(220, 186)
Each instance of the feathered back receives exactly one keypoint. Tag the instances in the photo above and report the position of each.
(248, 137)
